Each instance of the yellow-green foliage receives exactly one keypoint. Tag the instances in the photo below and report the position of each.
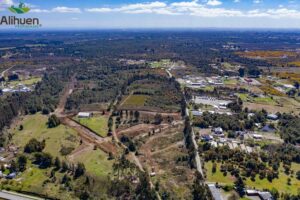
(135, 100)
(97, 123)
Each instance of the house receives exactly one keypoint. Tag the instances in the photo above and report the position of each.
(256, 136)
(265, 196)
(218, 130)
(215, 192)
(207, 138)
(272, 117)
(268, 129)
(196, 113)
(84, 115)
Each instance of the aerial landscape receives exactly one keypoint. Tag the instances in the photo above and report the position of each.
(202, 114)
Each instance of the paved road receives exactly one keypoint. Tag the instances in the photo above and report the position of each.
(16, 196)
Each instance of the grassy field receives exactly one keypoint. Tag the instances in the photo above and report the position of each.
(260, 100)
(280, 184)
(30, 81)
(97, 123)
(135, 100)
(231, 82)
(244, 97)
(162, 63)
(32, 180)
(96, 162)
(35, 127)
(218, 175)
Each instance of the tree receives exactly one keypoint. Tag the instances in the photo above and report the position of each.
(240, 186)
(64, 166)
(200, 190)
(158, 119)
(143, 190)
(274, 193)
(137, 115)
(34, 146)
(242, 72)
(298, 175)
(80, 170)
(297, 85)
(44, 160)
(22, 161)
(214, 168)
(57, 163)
(53, 121)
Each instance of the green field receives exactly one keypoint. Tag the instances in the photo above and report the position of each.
(260, 100)
(164, 63)
(32, 180)
(244, 97)
(230, 81)
(96, 123)
(218, 176)
(135, 100)
(280, 184)
(35, 127)
(96, 162)
(28, 82)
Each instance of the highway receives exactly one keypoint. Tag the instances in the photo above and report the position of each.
(15, 196)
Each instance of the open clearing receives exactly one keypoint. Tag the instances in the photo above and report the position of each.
(95, 161)
(35, 127)
(135, 100)
(29, 82)
(98, 124)
(32, 180)
(162, 153)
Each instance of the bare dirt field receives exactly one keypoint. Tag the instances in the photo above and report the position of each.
(163, 154)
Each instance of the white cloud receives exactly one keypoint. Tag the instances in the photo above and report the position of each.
(214, 2)
(61, 9)
(100, 10)
(6, 2)
(236, 1)
(37, 10)
(257, 1)
(192, 8)
(66, 10)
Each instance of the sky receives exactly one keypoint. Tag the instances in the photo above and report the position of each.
(98, 14)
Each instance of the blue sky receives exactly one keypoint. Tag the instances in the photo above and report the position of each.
(96, 14)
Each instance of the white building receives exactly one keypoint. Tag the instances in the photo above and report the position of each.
(84, 115)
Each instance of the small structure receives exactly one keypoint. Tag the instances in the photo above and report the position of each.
(207, 138)
(218, 131)
(268, 129)
(196, 113)
(84, 115)
(263, 195)
(258, 137)
(272, 117)
(215, 192)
